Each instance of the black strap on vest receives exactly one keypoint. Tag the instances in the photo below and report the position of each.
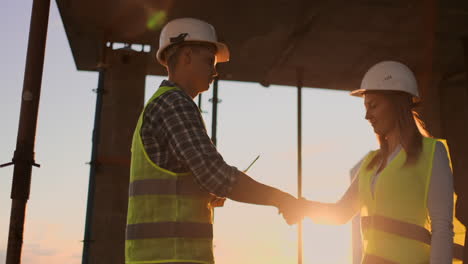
(404, 229)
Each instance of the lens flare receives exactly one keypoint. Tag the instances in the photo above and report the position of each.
(156, 20)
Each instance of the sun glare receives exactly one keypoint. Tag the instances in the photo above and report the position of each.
(327, 244)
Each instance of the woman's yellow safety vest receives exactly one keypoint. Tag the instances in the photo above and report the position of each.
(169, 218)
(395, 222)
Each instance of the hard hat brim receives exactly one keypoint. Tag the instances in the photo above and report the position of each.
(361, 92)
(358, 92)
(222, 51)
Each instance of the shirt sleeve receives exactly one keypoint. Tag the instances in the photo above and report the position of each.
(190, 144)
(354, 171)
(440, 206)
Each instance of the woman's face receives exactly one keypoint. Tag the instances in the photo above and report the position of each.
(380, 113)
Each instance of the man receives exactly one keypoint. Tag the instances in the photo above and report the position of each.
(177, 175)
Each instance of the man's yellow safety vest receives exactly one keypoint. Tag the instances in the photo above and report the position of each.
(395, 223)
(169, 218)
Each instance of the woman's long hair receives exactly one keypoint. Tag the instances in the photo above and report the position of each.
(410, 126)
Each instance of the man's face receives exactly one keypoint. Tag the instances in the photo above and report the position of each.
(203, 68)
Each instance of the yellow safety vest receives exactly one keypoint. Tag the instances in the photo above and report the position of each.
(169, 218)
(395, 223)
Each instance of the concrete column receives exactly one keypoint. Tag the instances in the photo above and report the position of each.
(122, 102)
(427, 76)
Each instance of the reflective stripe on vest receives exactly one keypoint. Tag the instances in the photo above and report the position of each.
(404, 229)
(180, 186)
(169, 229)
(169, 219)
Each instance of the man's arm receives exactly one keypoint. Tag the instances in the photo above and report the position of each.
(248, 190)
(192, 146)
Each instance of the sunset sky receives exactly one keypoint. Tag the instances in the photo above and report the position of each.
(253, 120)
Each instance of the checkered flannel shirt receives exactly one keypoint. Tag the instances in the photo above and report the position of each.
(175, 138)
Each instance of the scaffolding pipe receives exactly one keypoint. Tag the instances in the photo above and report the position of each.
(200, 102)
(93, 169)
(299, 76)
(214, 117)
(23, 158)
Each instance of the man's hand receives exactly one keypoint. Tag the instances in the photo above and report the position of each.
(291, 208)
(217, 201)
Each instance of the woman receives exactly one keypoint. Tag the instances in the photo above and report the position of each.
(404, 190)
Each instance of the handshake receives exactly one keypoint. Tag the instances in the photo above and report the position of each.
(292, 208)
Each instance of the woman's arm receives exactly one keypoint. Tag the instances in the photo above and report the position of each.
(335, 213)
(440, 206)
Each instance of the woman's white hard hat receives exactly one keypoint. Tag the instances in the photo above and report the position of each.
(188, 30)
(388, 76)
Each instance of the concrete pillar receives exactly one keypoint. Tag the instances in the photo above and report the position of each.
(427, 76)
(122, 102)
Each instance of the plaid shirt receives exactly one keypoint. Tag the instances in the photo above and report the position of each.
(175, 138)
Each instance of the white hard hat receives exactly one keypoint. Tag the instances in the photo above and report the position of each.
(190, 29)
(388, 76)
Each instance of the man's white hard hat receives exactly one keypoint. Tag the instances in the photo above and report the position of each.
(388, 76)
(190, 30)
